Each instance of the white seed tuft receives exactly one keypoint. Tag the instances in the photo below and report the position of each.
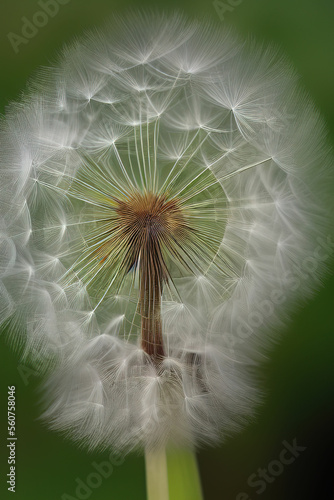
(183, 110)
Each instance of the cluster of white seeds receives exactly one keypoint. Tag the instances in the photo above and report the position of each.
(160, 105)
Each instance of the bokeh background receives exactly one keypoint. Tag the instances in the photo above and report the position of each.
(298, 376)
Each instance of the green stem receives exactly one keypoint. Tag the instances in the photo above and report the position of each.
(172, 476)
(183, 476)
(156, 474)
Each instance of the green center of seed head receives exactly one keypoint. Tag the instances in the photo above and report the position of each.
(138, 243)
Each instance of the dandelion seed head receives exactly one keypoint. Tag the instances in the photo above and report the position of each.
(158, 190)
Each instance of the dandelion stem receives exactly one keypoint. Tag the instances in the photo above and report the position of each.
(183, 476)
(147, 222)
(172, 475)
(156, 474)
(151, 278)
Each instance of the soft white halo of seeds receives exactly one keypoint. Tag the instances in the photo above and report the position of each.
(159, 103)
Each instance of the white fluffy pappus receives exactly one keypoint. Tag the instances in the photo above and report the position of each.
(157, 105)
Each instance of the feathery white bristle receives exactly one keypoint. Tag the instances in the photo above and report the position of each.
(159, 104)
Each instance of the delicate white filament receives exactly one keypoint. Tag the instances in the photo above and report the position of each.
(183, 109)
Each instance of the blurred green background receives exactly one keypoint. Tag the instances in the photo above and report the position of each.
(298, 377)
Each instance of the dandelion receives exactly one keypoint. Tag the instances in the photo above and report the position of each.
(156, 206)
